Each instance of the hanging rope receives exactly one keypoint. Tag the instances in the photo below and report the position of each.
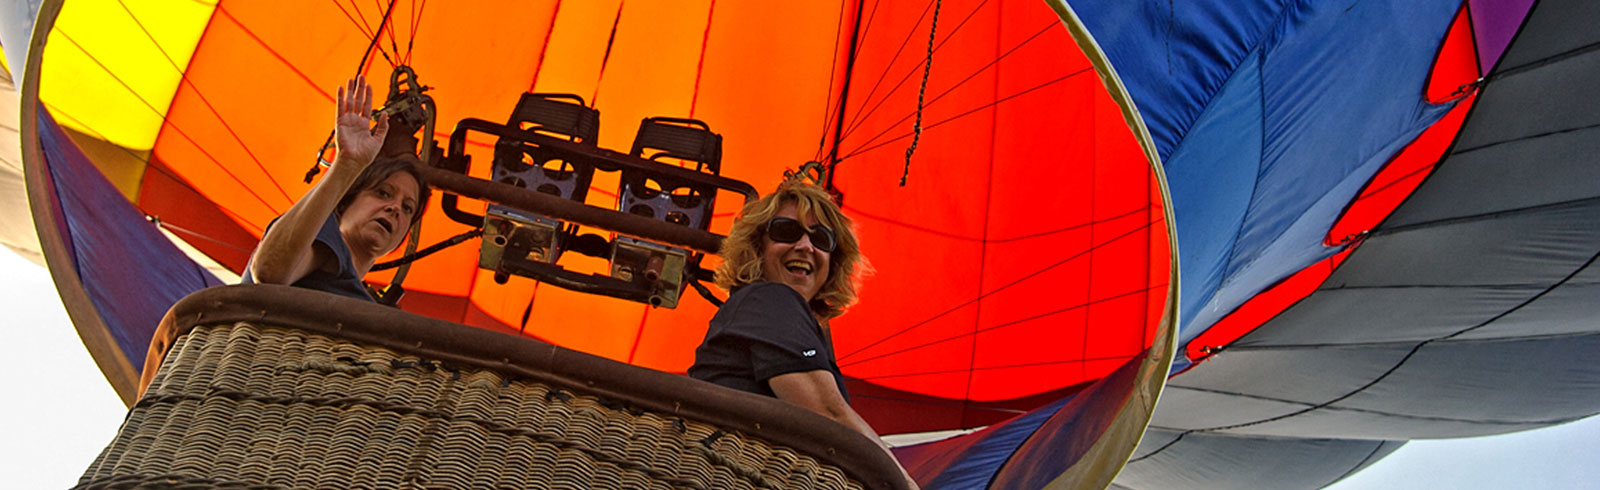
(704, 292)
(927, 67)
(316, 168)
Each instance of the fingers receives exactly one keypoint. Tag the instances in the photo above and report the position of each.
(366, 100)
(355, 96)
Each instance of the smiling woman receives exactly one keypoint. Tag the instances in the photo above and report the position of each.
(790, 264)
(362, 209)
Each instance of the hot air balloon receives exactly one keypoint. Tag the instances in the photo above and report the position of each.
(1025, 275)
(1442, 321)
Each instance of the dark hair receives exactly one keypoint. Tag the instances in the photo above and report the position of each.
(380, 171)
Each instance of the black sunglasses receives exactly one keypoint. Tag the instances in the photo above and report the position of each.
(789, 230)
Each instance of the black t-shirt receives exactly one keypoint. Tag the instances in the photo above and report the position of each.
(344, 282)
(764, 330)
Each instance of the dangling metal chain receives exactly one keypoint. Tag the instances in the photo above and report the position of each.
(927, 67)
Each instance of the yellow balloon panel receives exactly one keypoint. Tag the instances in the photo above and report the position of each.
(113, 76)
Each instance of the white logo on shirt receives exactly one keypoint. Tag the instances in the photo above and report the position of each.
(809, 353)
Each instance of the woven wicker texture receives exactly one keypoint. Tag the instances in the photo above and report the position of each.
(250, 406)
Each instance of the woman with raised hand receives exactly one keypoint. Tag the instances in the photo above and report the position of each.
(362, 209)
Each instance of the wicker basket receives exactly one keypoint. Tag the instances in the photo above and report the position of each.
(262, 404)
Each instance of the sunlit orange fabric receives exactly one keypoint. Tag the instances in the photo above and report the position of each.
(1026, 254)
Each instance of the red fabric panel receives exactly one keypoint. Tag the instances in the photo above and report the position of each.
(1030, 230)
(1263, 307)
(1457, 63)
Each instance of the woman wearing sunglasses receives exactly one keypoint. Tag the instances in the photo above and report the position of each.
(791, 263)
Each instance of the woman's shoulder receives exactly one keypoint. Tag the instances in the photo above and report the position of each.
(765, 293)
(762, 303)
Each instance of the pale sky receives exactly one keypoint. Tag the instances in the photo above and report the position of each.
(61, 412)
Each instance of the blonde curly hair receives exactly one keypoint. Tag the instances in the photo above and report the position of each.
(741, 251)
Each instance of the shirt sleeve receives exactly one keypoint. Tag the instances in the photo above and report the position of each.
(779, 330)
(328, 238)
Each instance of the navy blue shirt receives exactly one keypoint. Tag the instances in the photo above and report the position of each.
(764, 330)
(343, 282)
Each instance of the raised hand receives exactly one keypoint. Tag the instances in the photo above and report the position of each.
(357, 139)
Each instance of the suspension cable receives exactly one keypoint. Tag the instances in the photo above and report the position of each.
(412, 257)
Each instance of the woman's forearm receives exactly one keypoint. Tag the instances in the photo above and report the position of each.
(285, 254)
(816, 391)
(853, 420)
(847, 416)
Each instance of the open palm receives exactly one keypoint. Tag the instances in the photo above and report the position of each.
(357, 139)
